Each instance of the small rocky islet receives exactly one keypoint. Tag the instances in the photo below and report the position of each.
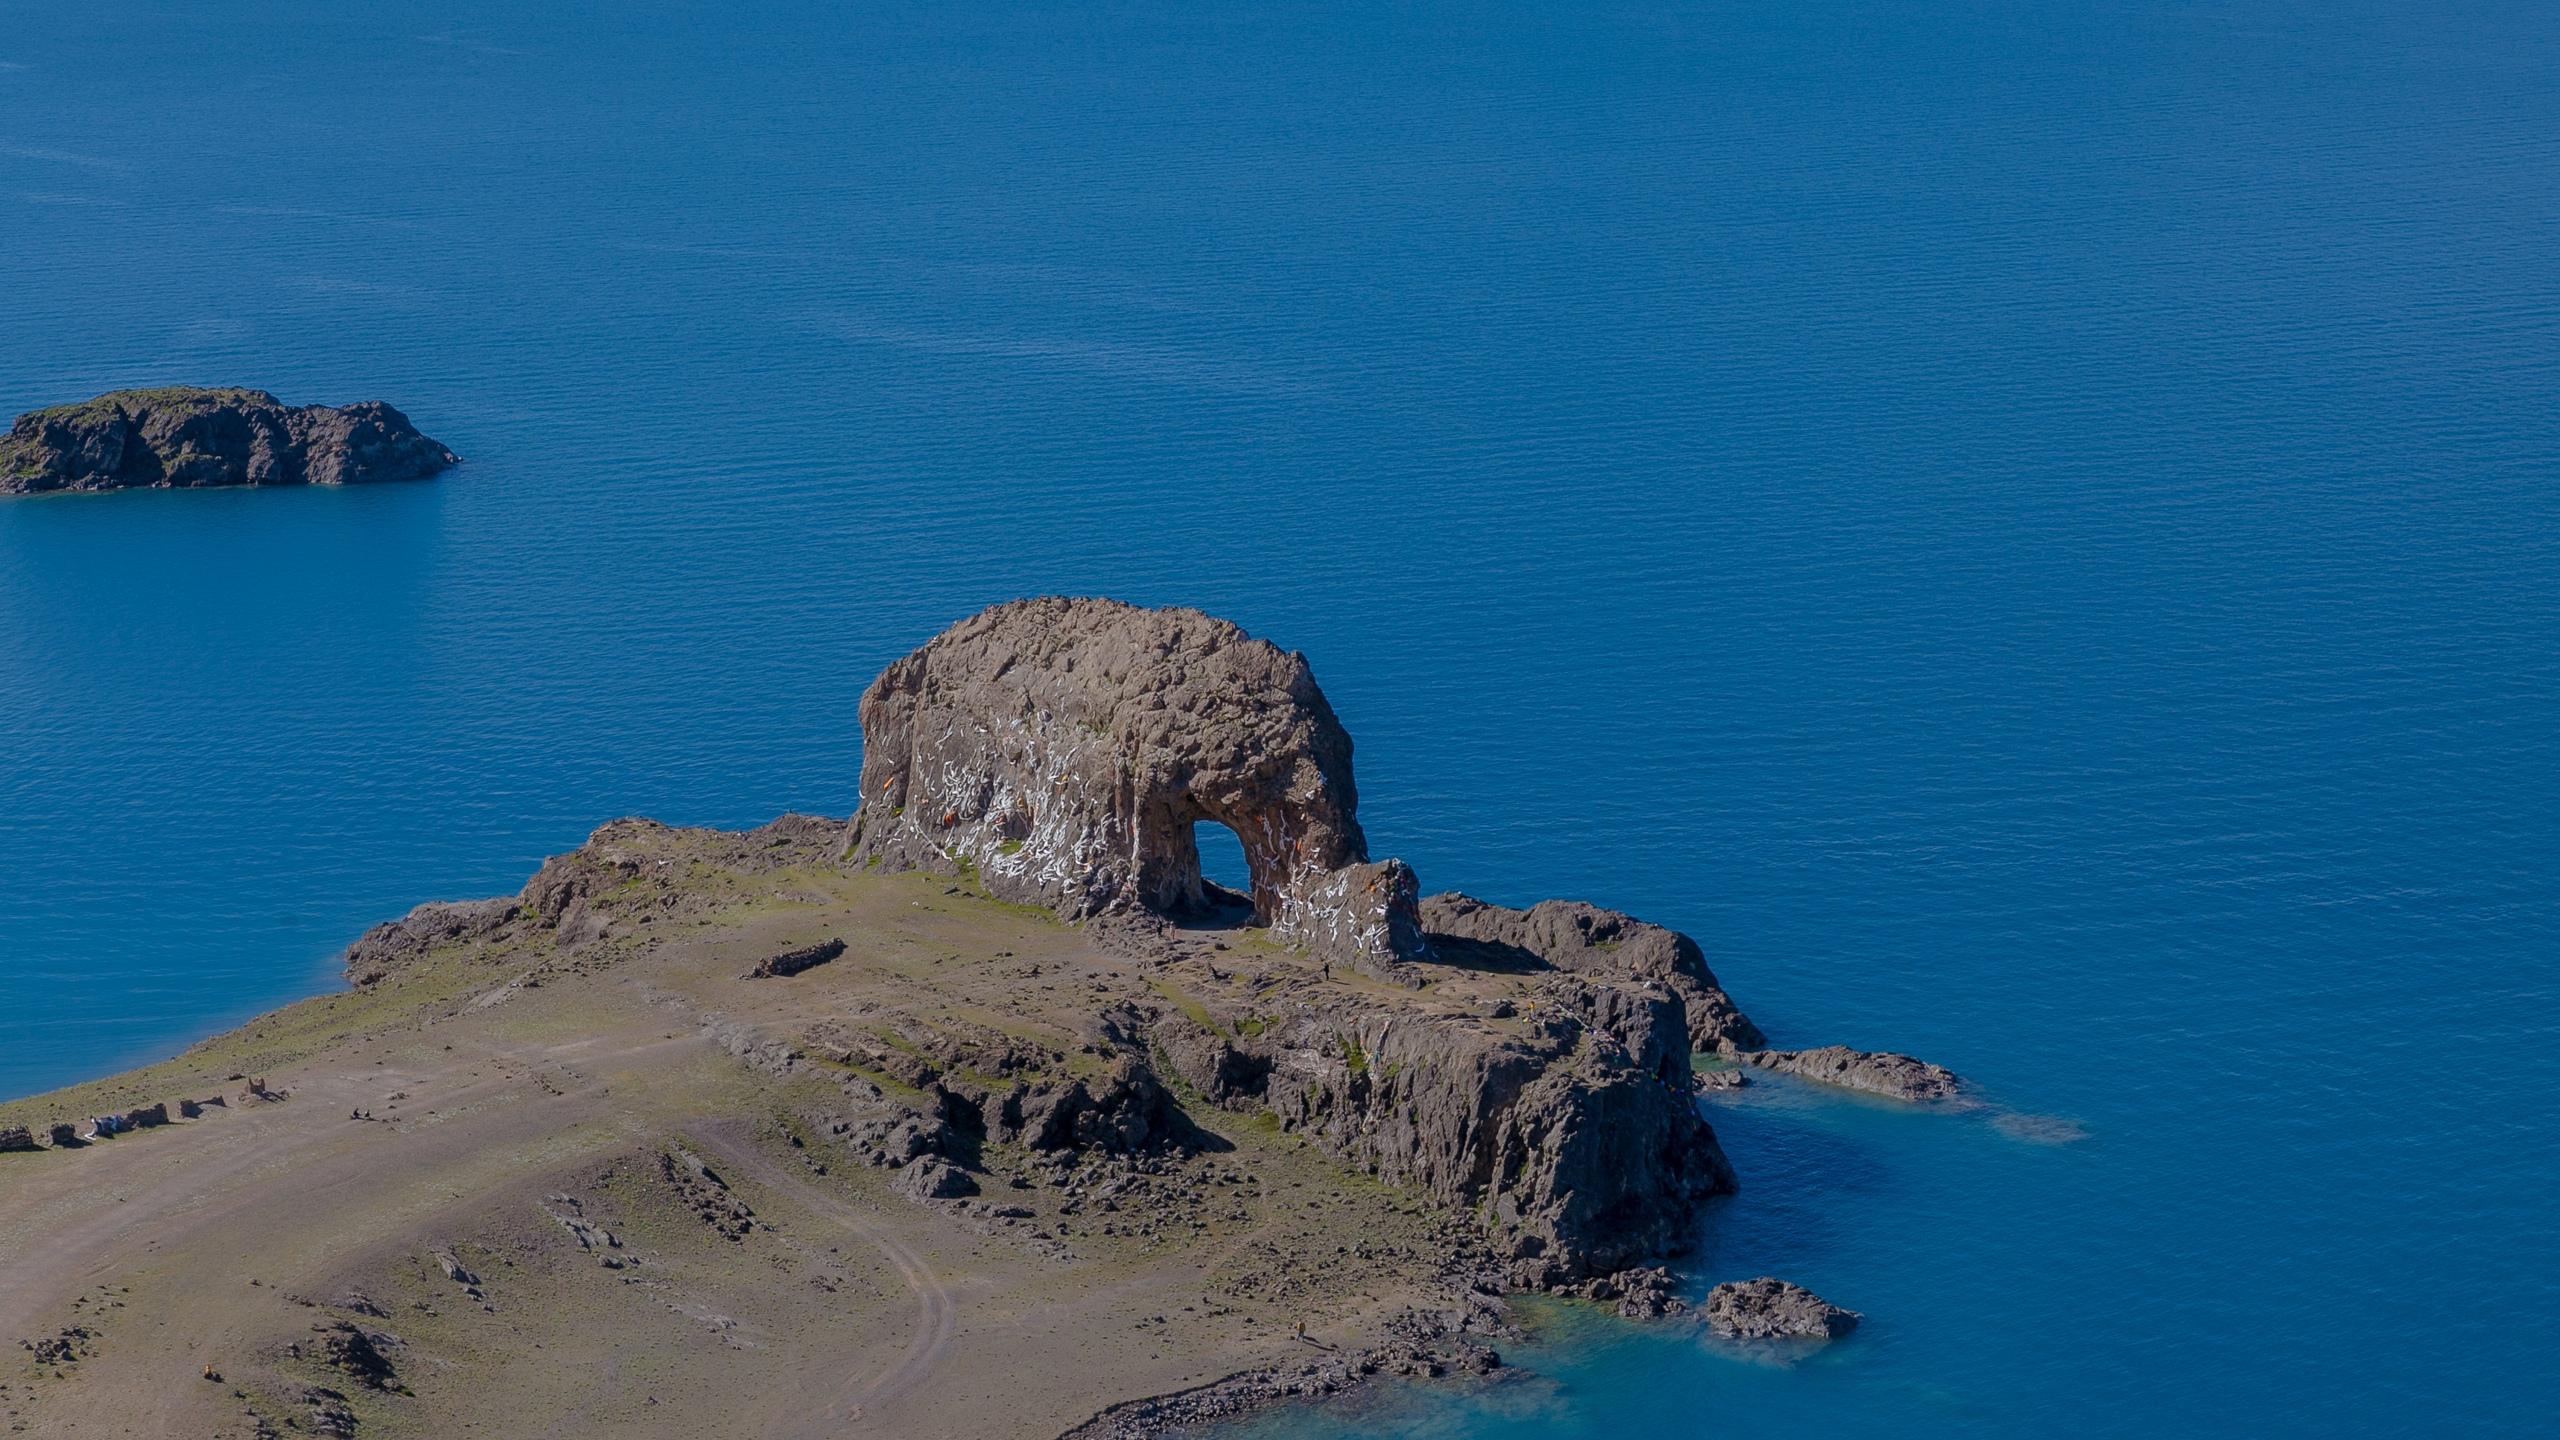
(1287, 1138)
(189, 437)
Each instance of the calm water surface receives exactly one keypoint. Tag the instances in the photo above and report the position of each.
(2030, 529)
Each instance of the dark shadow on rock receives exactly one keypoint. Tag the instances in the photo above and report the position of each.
(1487, 955)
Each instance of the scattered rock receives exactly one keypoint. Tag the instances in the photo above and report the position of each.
(1896, 1077)
(356, 1353)
(1769, 1309)
(457, 1272)
(329, 1413)
(186, 437)
(1646, 1293)
(70, 1345)
(589, 1235)
(1417, 1348)
(706, 1194)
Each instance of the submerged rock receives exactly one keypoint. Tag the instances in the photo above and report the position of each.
(1771, 1309)
(185, 437)
(1896, 1077)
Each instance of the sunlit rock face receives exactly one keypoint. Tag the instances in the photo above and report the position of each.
(1066, 748)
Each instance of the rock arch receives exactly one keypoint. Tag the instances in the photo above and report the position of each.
(1066, 747)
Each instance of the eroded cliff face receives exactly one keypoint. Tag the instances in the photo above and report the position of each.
(1565, 1125)
(185, 437)
(1064, 749)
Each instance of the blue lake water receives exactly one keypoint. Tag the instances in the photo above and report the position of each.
(2030, 530)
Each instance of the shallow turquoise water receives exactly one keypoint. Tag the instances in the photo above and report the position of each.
(2029, 530)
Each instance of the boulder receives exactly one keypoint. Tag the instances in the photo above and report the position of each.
(935, 1180)
(1064, 749)
(187, 437)
(65, 1135)
(145, 1116)
(17, 1137)
(1896, 1077)
(1772, 1309)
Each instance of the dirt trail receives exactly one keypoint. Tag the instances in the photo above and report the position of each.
(937, 1318)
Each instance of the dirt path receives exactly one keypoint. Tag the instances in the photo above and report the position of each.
(937, 1318)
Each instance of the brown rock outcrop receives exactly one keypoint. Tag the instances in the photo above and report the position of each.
(1896, 1077)
(1066, 748)
(395, 942)
(185, 437)
(1772, 1309)
(1587, 940)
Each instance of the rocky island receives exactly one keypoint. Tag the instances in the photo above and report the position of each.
(981, 1113)
(184, 437)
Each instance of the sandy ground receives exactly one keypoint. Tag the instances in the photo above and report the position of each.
(513, 1090)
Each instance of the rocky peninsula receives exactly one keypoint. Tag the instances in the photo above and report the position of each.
(184, 437)
(981, 1113)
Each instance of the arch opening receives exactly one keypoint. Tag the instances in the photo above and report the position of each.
(1226, 881)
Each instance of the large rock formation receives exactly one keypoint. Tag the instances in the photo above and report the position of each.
(1066, 748)
(185, 437)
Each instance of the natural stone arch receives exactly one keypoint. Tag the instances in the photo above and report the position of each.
(1065, 748)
